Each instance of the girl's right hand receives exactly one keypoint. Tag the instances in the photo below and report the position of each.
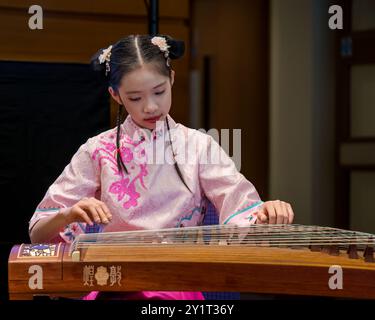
(88, 210)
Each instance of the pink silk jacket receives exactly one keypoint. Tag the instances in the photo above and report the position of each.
(152, 195)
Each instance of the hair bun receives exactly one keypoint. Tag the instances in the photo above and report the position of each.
(176, 47)
(95, 63)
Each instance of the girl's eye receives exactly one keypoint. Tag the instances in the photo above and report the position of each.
(137, 99)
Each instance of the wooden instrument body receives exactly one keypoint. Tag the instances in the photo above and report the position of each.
(198, 267)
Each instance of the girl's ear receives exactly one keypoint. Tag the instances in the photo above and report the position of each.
(114, 95)
(172, 77)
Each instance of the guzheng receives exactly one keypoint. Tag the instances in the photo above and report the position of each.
(277, 259)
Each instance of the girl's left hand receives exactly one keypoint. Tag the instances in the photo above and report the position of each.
(275, 212)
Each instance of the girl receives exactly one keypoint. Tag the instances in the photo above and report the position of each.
(113, 183)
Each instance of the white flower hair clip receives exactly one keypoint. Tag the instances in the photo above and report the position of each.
(105, 57)
(161, 42)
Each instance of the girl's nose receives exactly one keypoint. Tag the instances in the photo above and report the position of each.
(150, 107)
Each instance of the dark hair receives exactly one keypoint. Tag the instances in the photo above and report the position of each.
(131, 52)
(128, 54)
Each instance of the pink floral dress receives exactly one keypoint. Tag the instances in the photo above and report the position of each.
(152, 195)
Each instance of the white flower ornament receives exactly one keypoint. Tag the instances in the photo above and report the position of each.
(163, 46)
(105, 57)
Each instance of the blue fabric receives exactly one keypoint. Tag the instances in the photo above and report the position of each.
(211, 217)
(95, 228)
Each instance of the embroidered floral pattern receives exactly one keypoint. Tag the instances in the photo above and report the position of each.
(245, 209)
(126, 154)
(188, 216)
(71, 231)
(124, 188)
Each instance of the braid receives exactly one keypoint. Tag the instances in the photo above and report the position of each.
(174, 158)
(120, 163)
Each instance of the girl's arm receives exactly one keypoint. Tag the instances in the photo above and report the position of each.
(87, 210)
(234, 197)
(46, 229)
(54, 218)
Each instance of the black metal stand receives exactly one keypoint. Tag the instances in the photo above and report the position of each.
(153, 17)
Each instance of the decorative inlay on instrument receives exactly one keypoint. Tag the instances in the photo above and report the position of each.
(278, 259)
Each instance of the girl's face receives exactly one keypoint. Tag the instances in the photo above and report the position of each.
(146, 95)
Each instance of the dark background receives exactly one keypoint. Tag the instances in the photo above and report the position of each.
(47, 110)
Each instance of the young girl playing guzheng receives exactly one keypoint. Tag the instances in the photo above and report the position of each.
(138, 175)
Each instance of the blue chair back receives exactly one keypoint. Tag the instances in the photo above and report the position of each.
(211, 217)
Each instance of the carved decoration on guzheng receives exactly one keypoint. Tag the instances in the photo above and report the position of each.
(38, 250)
(88, 276)
(101, 275)
(115, 275)
(297, 260)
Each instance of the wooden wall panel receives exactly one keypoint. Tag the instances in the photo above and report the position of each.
(168, 8)
(74, 30)
(235, 39)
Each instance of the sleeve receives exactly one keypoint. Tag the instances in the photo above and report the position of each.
(234, 197)
(79, 179)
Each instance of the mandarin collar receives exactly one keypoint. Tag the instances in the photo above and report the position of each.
(135, 132)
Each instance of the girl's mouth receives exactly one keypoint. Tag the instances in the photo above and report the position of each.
(153, 120)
